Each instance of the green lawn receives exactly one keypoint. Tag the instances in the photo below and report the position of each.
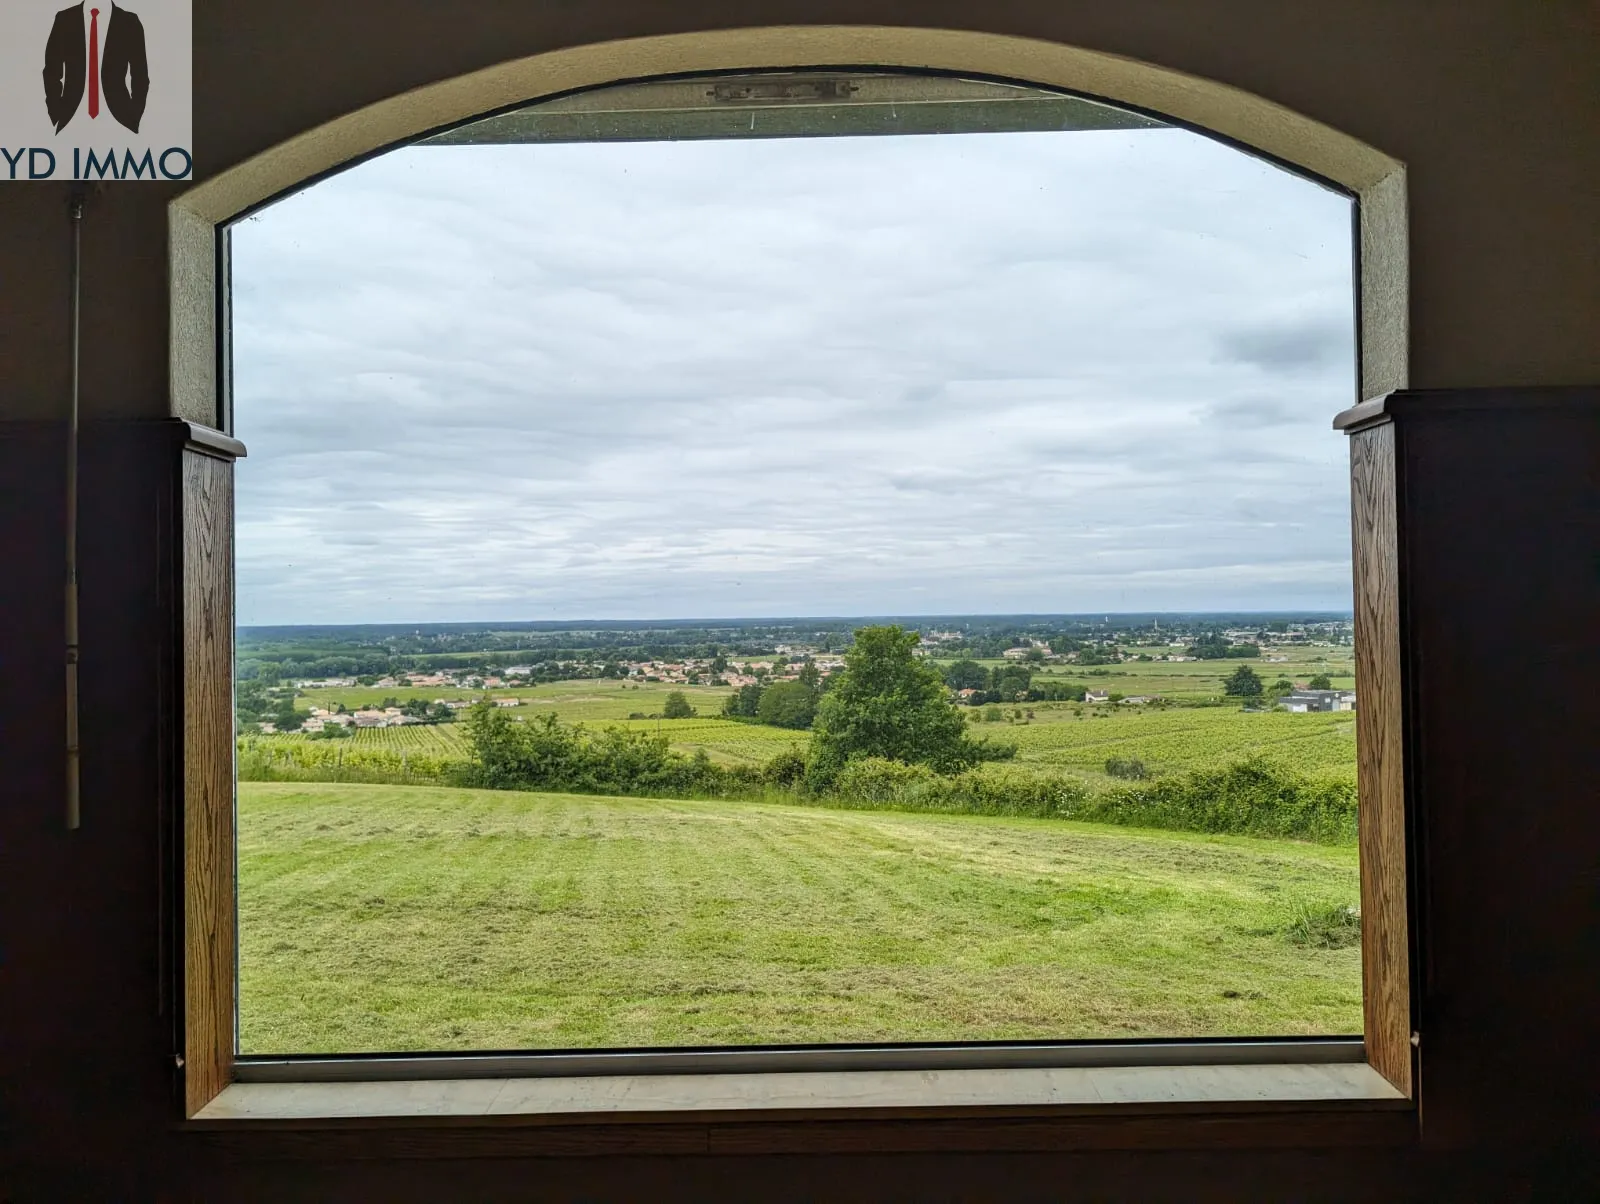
(417, 918)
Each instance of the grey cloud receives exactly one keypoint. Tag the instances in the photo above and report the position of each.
(835, 376)
(1248, 412)
(1289, 345)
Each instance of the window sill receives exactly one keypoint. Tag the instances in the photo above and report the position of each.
(898, 1110)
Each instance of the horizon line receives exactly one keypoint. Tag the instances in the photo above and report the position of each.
(704, 620)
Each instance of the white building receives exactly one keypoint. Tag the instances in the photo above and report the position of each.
(1304, 701)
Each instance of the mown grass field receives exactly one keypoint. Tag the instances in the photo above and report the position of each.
(425, 918)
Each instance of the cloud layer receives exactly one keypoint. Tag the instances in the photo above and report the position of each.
(978, 373)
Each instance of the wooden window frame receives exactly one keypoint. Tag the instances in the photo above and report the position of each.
(1246, 1109)
(1250, 1113)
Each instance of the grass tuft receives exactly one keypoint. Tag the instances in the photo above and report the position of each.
(1324, 926)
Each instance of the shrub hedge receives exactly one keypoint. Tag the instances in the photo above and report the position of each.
(1250, 798)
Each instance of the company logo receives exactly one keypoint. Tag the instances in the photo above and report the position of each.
(117, 101)
(120, 71)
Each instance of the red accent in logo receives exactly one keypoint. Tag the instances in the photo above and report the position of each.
(94, 63)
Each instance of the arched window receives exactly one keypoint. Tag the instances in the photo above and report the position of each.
(781, 562)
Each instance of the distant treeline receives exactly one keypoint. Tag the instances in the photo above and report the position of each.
(385, 650)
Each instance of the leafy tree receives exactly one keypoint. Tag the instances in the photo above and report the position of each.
(1210, 647)
(1055, 691)
(1214, 646)
(966, 675)
(251, 702)
(788, 704)
(285, 717)
(1010, 681)
(1034, 656)
(1320, 682)
(744, 703)
(1243, 682)
(888, 703)
(1280, 687)
(677, 707)
(786, 769)
(811, 677)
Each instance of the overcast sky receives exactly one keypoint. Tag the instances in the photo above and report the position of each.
(1054, 372)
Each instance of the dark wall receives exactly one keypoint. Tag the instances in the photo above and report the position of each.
(1492, 105)
(85, 1045)
(1500, 527)
(1500, 501)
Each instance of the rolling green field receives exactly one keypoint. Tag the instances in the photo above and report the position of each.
(1199, 681)
(1170, 741)
(423, 918)
(1063, 737)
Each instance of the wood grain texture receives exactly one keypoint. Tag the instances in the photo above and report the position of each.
(208, 827)
(1380, 771)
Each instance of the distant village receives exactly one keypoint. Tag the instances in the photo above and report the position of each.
(711, 671)
(787, 661)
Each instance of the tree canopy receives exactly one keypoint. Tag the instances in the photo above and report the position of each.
(1243, 682)
(966, 674)
(1320, 682)
(1214, 646)
(677, 706)
(788, 704)
(887, 703)
(1011, 681)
